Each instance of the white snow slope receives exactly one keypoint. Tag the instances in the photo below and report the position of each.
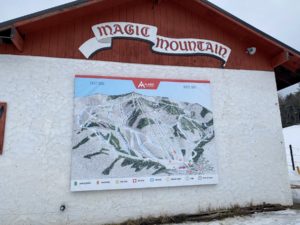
(292, 137)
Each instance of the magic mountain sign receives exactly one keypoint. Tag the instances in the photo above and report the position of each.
(106, 32)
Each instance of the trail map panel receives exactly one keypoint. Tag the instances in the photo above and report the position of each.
(141, 132)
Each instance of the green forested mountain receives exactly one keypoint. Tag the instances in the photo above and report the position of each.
(290, 109)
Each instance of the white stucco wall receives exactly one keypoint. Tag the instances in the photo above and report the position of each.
(35, 166)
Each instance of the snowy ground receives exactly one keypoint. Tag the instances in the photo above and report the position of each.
(292, 137)
(286, 217)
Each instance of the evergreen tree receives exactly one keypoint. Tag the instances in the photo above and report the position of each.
(290, 109)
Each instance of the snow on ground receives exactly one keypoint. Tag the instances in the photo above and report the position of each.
(292, 137)
(286, 217)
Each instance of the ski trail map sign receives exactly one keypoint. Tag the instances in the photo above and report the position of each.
(141, 132)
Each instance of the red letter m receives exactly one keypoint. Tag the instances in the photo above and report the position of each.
(103, 30)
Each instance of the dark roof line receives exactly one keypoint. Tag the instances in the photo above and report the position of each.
(250, 26)
(9, 23)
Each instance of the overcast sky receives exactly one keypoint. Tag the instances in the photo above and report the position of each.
(279, 18)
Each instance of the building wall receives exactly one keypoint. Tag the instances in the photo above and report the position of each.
(62, 35)
(35, 166)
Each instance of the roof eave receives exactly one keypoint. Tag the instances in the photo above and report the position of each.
(15, 23)
(45, 13)
(249, 27)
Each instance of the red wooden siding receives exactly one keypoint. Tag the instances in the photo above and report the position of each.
(61, 36)
(2, 124)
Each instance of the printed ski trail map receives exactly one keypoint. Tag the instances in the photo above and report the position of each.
(142, 132)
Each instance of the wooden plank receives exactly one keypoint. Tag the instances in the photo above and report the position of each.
(279, 59)
(292, 66)
(3, 108)
(17, 39)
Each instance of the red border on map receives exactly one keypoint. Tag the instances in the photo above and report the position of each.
(143, 83)
(141, 78)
